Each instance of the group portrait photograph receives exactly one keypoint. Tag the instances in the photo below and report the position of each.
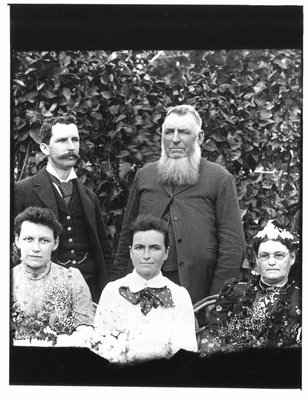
(156, 198)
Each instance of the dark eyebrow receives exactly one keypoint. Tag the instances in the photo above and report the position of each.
(61, 138)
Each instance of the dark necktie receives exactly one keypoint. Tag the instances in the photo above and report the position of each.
(66, 188)
(148, 298)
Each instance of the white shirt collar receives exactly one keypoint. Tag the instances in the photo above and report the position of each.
(52, 171)
(137, 283)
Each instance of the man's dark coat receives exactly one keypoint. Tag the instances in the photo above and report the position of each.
(37, 191)
(206, 218)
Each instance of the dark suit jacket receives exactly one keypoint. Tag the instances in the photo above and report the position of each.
(37, 191)
(207, 225)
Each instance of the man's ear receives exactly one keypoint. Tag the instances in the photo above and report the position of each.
(44, 149)
(200, 137)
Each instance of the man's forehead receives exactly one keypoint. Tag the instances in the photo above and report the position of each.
(64, 129)
(180, 120)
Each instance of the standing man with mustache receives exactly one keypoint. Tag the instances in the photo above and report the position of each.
(198, 199)
(83, 242)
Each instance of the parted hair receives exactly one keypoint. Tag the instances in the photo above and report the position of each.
(146, 223)
(46, 129)
(38, 215)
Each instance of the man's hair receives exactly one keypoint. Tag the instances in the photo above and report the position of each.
(46, 129)
(148, 223)
(184, 109)
(38, 215)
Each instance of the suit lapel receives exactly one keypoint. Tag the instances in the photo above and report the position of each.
(180, 189)
(44, 190)
(167, 188)
(87, 204)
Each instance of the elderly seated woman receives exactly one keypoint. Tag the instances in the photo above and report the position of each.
(47, 299)
(266, 312)
(148, 315)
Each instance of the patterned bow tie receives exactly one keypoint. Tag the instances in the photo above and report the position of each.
(148, 298)
(66, 188)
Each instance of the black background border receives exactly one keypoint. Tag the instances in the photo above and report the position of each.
(145, 27)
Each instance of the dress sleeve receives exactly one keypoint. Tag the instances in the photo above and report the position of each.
(105, 316)
(82, 300)
(218, 314)
(184, 336)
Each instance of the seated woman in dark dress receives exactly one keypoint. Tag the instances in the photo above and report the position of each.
(265, 312)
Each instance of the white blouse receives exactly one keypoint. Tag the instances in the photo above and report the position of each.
(159, 334)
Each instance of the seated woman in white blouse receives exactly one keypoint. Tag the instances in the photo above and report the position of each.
(46, 299)
(151, 316)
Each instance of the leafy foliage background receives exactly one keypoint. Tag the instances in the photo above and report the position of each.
(250, 102)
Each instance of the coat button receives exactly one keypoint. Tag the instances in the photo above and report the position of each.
(74, 261)
(176, 218)
(180, 240)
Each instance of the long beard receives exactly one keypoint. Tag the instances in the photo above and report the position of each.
(180, 171)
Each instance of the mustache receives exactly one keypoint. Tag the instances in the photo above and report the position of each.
(71, 154)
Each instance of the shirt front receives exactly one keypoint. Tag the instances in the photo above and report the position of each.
(52, 171)
(159, 334)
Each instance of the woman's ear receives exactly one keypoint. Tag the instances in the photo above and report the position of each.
(56, 244)
(17, 241)
(292, 257)
(256, 268)
(167, 253)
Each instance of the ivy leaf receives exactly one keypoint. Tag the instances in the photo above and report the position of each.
(21, 83)
(106, 94)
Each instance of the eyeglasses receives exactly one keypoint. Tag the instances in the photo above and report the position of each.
(277, 256)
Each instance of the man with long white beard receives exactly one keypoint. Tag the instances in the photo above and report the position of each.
(198, 199)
